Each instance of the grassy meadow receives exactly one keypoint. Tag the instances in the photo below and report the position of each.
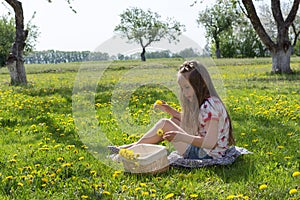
(53, 132)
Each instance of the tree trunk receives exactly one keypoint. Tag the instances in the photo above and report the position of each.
(143, 57)
(15, 62)
(218, 51)
(281, 60)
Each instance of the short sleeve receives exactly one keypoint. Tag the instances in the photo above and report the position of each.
(210, 110)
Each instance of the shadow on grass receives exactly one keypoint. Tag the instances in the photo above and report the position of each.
(271, 77)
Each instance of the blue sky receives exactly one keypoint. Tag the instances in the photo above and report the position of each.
(61, 29)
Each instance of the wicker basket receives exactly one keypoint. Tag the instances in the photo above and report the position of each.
(152, 159)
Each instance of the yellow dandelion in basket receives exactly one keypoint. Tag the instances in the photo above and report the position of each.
(158, 102)
(295, 174)
(160, 132)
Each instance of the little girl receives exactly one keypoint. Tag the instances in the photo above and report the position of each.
(203, 129)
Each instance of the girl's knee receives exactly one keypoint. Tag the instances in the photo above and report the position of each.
(165, 122)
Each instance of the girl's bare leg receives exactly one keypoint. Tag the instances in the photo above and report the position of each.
(174, 125)
(151, 136)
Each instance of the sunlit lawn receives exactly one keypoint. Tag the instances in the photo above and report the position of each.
(52, 133)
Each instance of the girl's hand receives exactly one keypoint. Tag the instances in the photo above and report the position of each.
(161, 105)
(170, 135)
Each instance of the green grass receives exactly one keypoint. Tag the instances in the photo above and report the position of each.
(53, 131)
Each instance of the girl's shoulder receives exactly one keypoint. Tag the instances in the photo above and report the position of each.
(212, 102)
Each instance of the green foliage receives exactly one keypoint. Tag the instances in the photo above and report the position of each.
(33, 34)
(230, 31)
(7, 36)
(145, 27)
(218, 19)
(42, 156)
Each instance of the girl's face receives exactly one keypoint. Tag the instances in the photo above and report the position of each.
(186, 88)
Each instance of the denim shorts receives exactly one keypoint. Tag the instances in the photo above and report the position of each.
(193, 152)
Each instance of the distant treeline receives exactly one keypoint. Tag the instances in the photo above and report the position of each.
(52, 56)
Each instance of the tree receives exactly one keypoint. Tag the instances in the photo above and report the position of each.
(15, 61)
(145, 28)
(280, 48)
(217, 20)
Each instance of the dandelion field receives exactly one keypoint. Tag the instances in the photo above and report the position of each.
(43, 155)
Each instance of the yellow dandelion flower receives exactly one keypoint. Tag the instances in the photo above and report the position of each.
(70, 147)
(145, 193)
(193, 195)
(84, 196)
(230, 196)
(81, 158)
(9, 178)
(44, 185)
(160, 132)
(280, 147)
(170, 195)
(143, 184)
(263, 187)
(20, 184)
(255, 140)
(153, 190)
(158, 102)
(292, 191)
(106, 192)
(45, 180)
(116, 173)
(60, 159)
(297, 173)
(124, 187)
(56, 146)
(66, 165)
(269, 153)
(93, 172)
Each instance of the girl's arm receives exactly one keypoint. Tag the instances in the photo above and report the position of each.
(168, 109)
(209, 141)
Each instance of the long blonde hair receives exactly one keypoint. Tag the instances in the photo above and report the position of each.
(199, 78)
